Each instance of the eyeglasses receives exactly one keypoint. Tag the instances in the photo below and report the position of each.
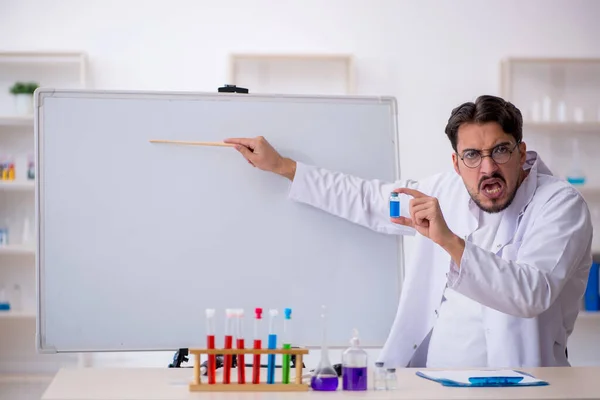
(500, 154)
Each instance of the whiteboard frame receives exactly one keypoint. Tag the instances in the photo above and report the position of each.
(41, 93)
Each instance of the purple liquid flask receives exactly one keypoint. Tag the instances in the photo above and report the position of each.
(324, 377)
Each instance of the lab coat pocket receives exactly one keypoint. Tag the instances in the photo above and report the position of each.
(511, 251)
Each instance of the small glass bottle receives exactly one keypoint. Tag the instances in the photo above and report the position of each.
(379, 376)
(394, 205)
(576, 176)
(391, 380)
(354, 366)
(30, 167)
(16, 298)
(4, 302)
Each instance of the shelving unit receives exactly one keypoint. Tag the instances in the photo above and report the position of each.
(17, 260)
(560, 102)
(331, 74)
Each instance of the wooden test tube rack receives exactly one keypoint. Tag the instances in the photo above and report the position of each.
(296, 386)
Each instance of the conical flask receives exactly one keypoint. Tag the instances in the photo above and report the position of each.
(324, 377)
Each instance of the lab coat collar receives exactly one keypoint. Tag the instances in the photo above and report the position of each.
(523, 197)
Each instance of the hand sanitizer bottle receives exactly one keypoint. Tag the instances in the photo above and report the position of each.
(354, 366)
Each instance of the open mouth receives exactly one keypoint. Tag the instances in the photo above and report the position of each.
(492, 188)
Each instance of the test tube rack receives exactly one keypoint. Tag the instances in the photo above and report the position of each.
(297, 386)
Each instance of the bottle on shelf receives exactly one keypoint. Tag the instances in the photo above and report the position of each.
(26, 236)
(576, 176)
(4, 302)
(3, 234)
(30, 167)
(16, 298)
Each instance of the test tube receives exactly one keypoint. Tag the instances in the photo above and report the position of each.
(287, 344)
(229, 316)
(257, 345)
(210, 344)
(239, 334)
(272, 345)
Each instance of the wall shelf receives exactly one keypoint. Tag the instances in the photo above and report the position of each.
(590, 315)
(41, 57)
(17, 185)
(283, 73)
(16, 315)
(589, 191)
(562, 127)
(14, 249)
(16, 120)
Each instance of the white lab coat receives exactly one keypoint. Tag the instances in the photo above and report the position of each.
(531, 287)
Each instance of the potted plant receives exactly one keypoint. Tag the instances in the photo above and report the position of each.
(23, 92)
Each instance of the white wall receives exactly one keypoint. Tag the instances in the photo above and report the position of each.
(431, 55)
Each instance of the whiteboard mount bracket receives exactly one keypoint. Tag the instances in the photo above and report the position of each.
(232, 89)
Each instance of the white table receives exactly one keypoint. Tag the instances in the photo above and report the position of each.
(571, 383)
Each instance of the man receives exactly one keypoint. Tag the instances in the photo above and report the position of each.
(503, 248)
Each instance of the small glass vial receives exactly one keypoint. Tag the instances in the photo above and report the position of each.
(394, 205)
(4, 302)
(30, 167)
(379, 377)
(16, 298)
(391, 380)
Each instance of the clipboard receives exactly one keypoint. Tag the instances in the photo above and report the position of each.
(482, 378)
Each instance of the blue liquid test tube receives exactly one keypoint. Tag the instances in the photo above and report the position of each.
(394, 205)
(272, 345)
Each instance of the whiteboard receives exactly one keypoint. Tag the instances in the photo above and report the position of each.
(137, 239)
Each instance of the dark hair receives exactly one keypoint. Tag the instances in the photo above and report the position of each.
(486, 109)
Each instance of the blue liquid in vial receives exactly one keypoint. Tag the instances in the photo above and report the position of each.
(394, 209)
(576, 180)
(354, 378)
(325, 383)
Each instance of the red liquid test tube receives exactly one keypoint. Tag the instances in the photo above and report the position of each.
(229, 313)
(241, 363)
(256, 363)
(239, 334)
(257, 346)
(210, 344)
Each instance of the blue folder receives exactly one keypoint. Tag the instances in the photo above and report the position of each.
(482, 378)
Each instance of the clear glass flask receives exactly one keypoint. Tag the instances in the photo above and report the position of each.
(324, 377)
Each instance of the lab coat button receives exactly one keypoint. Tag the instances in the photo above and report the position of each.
(499, 245)
(414, 347)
